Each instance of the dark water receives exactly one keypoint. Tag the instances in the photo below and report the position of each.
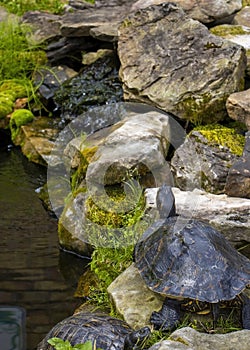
(34, 274)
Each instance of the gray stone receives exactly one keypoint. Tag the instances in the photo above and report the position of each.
(136, 145)
(238, 107)
(133, 299)
(198, 163)
(243, 17)
(189, 339)
(229, 215)
(238, 179)
(45, 26)
(203, 10)
(175, 63)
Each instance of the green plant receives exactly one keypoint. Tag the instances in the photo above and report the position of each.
(60, 344)
(19, 7)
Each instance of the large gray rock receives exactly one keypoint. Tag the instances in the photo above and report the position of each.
(175, 63)
(238, 107)
(229, 215)
(136, 145)
(189, 339)
(203, 10)
(243, 17)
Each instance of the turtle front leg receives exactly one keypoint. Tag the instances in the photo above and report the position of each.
(246, 312)
(168, 317)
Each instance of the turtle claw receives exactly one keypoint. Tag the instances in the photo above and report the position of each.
(168, 317)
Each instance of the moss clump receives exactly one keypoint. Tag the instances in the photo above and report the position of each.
(78, 176)
(199, 109)
(19, 117)
(218, 134)
(6, 106)
(228, 29)
(14, 88)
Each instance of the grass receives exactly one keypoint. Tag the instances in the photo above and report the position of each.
(19, 7)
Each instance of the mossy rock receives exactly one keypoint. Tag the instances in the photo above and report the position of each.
(14, 88)
(218, 134)
(19, 117)
(6, 106)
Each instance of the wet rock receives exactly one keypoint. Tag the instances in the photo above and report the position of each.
(201, 162)
(238, 179)
(97, 84)
(37, 139)
(243, 17)
(229, 215)
(175, 63)
(189, 339)
(50, 79)
(202, 11)
(238, 107)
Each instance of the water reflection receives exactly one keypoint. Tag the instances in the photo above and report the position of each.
(30, 275)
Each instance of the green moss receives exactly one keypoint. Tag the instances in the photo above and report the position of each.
(217, 134)
(14, 88)
(228, 29)
(6, 106)
(19, 117)
(77, 177)
(198, 109)
(245, 3)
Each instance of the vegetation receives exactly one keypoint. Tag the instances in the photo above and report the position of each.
(60, 344)
(19, 7)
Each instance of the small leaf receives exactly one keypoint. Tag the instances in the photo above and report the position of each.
(60, 344)
(85, 346)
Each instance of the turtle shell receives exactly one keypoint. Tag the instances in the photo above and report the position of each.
(107, 332)
(190, 260)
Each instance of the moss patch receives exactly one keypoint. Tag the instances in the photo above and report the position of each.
(218, 134)
(228, 29)
(19, 117)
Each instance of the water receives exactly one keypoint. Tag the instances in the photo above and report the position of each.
(34, 274)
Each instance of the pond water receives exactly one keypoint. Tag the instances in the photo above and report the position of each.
(35, 276)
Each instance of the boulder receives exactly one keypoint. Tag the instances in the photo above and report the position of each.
(175, 63)
(242, 17)
(229, 215)
(203, 10)
(238, 107)
(238, 179)
(204, 159)
(187, 338)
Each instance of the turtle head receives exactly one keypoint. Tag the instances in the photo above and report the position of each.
(134, 339)
(165, 202)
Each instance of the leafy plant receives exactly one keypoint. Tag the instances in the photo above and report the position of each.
(60, 344)
(19, 7)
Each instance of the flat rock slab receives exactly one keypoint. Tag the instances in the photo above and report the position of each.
(189, 339)
(203, 10)
(175, 63)
(229, 215)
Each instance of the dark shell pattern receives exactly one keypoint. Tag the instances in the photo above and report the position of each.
(191, 260)
(107, 332)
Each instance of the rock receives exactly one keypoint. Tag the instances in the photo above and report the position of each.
(229, 215)
(237, 34)
(133, 299)
(203, 11)
(97, 84)
(37, 139)
(45, 26)
(136, 145)
(176, 64)
(243, 17)
(204, 159)
(188, 338)
(238, 179)
(50, 80)
(238, 107)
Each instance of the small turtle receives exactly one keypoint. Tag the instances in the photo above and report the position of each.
(106, 332)
(189, 260)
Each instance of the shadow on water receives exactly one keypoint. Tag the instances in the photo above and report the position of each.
(32, 268)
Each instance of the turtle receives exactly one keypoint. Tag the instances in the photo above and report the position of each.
(104, 331)
(187, 259)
